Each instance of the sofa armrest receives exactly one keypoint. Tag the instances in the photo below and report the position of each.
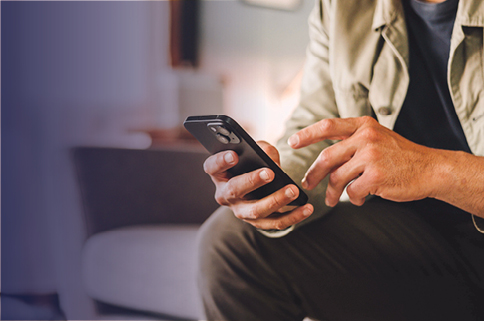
(125, 187)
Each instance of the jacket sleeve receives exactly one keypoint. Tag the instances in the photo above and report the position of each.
(317, 102)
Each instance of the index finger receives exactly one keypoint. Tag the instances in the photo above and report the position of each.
(334, 128)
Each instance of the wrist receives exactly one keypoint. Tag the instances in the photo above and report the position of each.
(443, 179)
(457, 180)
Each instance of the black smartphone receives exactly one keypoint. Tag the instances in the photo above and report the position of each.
(219, 133)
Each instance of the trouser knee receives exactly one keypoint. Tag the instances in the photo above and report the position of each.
(222, 241)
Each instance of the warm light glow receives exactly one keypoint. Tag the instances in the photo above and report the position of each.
(276, 4)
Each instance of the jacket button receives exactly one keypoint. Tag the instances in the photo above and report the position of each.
(384, 111)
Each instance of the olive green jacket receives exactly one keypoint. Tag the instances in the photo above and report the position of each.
(357, 62)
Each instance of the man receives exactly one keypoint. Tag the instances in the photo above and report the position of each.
(408, 247)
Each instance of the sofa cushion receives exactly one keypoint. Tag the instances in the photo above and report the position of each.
(149, 268)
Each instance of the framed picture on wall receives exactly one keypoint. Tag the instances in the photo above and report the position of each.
(184, 19)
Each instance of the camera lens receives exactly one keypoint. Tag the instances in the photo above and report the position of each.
(223, 139)
(223, 131)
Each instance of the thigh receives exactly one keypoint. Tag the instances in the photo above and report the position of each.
(235, 280)
(380, 262)
(375, 262)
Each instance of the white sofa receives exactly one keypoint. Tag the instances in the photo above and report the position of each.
(142, 211)
(147, 268)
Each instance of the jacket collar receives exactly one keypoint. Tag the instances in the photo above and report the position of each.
(469, 13)
(386, 11)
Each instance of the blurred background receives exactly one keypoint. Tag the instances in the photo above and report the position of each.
(94, 95)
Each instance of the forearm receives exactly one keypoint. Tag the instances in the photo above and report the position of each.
(459, 180)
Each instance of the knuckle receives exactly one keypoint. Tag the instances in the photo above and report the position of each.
(350, 190)
(368, 119)
(239, 215)
(357, 200)
(376, 177)
(370, 134)
(356, 193)
(334, 179)
(325, 155)
(253, 212)
(276, 203)
(253, 179)
(280, 225)
(220, 199)
(326, 125)
(231, 192)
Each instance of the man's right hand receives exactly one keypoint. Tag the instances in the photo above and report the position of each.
(268, 213)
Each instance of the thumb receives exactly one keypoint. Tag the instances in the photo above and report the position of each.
(270, 150)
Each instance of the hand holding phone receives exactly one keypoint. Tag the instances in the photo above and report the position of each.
(247, 176)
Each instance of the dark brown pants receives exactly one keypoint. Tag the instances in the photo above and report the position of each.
(375, 262)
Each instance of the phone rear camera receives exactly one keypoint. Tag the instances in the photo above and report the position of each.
(223, 139)
(223, 134)
(223, 131)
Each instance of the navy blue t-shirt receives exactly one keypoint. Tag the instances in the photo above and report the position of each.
(428, 116)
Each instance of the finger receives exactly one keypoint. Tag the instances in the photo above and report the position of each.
(281, 222)
(334, 128)
(358, 190)
(239, 186)
(270, 150)
(328, 160)
(266, 206)
(217, 165)
(287, 208)
(340, 178)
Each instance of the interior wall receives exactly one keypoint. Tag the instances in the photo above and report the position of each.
(259, 52)
(74, 73)
(84, 73)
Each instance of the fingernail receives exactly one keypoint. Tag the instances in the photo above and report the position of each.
(264, 175)
(326, 201)
(290, 193)
(305, 183)
(229, 158)
(293, 140)
(307, 211)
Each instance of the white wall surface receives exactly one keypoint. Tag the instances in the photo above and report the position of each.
(258, 51)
